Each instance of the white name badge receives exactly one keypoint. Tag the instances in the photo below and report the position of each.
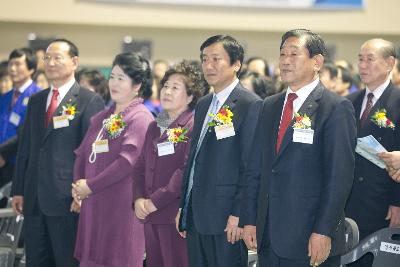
(166, 148)
(305, 136)
(15, 118)
(25, 101)
(101, 146)
(60, 121)
(224, 131)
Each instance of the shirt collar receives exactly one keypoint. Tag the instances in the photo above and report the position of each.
(24, 86)
(224, 94)
(304, 91)
(63, 90)
(379, 90)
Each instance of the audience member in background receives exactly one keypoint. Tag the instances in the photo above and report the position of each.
(6, 83)
(396, 74)
(328, 76)
(344, 81)
(348, 66)
(21, 66)
(374, 202)
(95, 81)
(392, 161)
(256, 83)
(40, 53)
(109, 234)
(158, 175)
(258, 65)
(41, 80)
(160, 66)
(56, 121)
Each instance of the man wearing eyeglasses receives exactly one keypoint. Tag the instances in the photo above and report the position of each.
(56, 122)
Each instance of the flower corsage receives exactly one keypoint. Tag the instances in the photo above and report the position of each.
(223, 117)
(177, 135)
(114, 125)
(301, 121)
(69, 111)
(380, 119)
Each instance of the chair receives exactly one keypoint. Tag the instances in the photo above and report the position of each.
(252, 258)
(383, 244)
(351, 234)
(10, 231)
(5, 199)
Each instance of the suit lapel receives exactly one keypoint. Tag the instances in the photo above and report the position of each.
(69, 98)
(309, 106)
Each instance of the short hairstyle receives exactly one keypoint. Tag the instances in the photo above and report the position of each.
(30, 57)
(73, 49)
(331, 68)
(96, 79)
(313, 41)
(346, 76)
(387, 49)
(138, 69)
(192, 77)
(3, 69)
(266, 65)
(262, 87)
(231, 45)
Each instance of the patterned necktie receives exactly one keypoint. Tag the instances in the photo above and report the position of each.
(286, 119)
(52, 107)
(367, 109)
(15, 97)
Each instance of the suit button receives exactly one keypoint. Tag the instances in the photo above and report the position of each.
(267, 196)
(273, 171)
(361, 179)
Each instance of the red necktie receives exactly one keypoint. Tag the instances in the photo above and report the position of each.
(52, 107)
(15, 96)
(286, 119)
(367, 109)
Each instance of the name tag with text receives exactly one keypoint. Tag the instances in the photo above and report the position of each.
(60, 121)
(305, 136)
(166, 148)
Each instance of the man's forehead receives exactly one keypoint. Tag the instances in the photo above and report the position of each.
(294, 42)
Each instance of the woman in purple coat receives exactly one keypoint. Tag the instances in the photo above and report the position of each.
(109, 234)
(158, 173)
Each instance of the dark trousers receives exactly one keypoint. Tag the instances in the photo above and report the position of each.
(164, 246)
(50, 240)
(268, 258)
(214, 250)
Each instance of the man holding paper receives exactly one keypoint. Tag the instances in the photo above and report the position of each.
(374, 202)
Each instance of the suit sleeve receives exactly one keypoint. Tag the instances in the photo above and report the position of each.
(131, 147)
(22, 158)
(246, 139)
(339, 141)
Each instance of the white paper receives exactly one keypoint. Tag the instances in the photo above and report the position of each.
(166, 148)
(224, 131)
(60, 121)
(305, 136)
(15, 118)
(369, 147)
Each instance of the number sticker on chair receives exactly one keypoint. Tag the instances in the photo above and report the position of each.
(390, 247)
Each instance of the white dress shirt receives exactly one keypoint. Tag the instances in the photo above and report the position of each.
(62, 90)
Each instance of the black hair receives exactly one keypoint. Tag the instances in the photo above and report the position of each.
(346, 75)
(96, 79)
(262, 87)
(313, 41)
(138, 69)
(193, 79)
(3, 68)
(30, 57)
(331, 68)
(231, 45)
(73, 49)
(266, 65)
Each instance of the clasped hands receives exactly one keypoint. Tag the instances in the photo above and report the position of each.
(143, 207)
(80, 191)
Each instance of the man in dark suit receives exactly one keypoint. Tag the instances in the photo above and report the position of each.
(56, 122)
(374, 202)
(213, 179)
(302, 164)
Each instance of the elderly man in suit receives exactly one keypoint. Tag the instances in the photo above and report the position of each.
(56, 121)
(220, 149)
(374, 202)
(301, 170)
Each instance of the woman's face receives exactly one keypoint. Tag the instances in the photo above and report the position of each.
(174, 98)
(122, 90)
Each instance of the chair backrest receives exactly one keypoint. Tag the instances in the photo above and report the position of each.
(352, 234)
(383, 244)
(10, 231)
(5, 193)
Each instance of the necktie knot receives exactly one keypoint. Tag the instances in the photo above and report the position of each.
(291, 97)
(370, 96)
(55, 92)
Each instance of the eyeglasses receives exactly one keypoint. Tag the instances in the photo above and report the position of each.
(57, 59)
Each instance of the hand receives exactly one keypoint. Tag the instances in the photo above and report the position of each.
(2, 161)
(391, 159)
(17, 204)
(76, 206)
(393, 215)
(149, 206)
(395, 174)
(233, 232)
(140, 209)
(319, 247)
(250, 237)
(80, 190)
(177, 217)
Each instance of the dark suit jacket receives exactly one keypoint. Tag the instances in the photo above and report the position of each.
(220, 164)
(160, 178)
(45, 157)
(302, 189)
(373, 190)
